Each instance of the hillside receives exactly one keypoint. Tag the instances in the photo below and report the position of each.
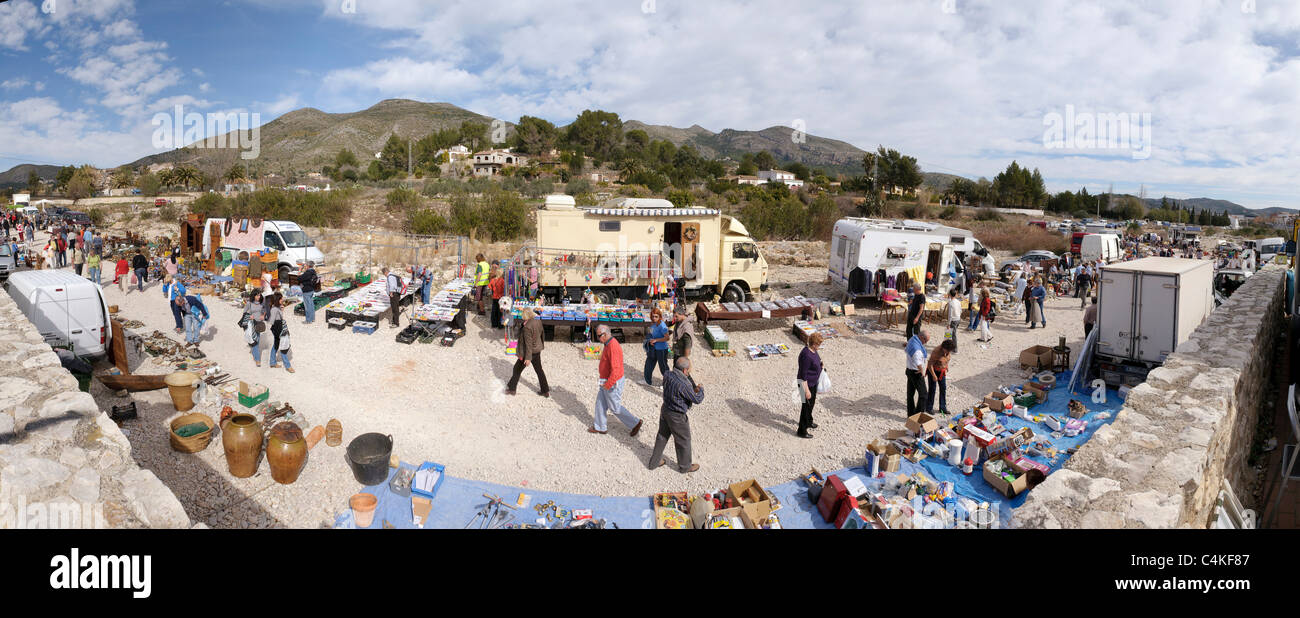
(16, 178)
(308, 138)
(835, 156)
(1213, 205)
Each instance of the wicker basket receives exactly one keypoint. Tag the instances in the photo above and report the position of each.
(195, 443)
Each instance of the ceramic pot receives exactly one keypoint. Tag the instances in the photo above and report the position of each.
(242, 438)
(286, 452)
(363, 509)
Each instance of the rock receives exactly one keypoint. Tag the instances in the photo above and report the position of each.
(1146, 440)
(14, 391)
(48, 359)
(75, 402)
(73, 457)
(1102, 519)
(1183, 465)
(28, 476)
(109, 460)
(85, 486)
(6, 423)
(151, 502)
(1153, 510)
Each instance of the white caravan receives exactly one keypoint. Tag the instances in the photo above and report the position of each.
(1103, 247)
(868, 254)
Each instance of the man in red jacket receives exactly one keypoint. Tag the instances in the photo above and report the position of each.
(610, 396)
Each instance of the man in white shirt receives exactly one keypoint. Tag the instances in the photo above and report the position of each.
(393, 285)
(916, 354)
(954, 316)
(1019, 294)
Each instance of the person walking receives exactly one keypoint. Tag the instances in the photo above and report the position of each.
(122, 273)
(92, 267)
(954, 316)
(974, 302)
(915, 309)
(986, 315)
(309, 282)
(1090, 318)
(172, 289)
(196, 315)
(497, 287)
(610, 396)
(529, 352)
(481, 272)
(141, 267)
(656, 347)
(916, 354)
(1036, 296)
(254, 324)
(78, 260)
(681, 391)
(279, 332)
(809, 377)
(936, 375)
(393, 283)
(683, 330)
(1084, 283)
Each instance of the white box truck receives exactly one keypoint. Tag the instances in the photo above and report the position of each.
(1103, 247)
(65, 308)
(867, 253)
(1146, 309)
(626, 245)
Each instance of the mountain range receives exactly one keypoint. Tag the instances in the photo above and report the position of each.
(308, 138)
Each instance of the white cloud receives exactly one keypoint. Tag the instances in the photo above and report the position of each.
(966, 91)
(39, 128)
(16, 83)
(18, 19)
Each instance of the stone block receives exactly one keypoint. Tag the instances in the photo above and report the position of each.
(150, 501)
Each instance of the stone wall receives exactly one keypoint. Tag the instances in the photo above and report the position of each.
(1162, 462)
(63, 463)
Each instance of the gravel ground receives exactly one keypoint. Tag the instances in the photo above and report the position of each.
(447, 405)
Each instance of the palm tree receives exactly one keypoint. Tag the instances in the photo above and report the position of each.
(185, 175)
(122, 178)
(235, 174)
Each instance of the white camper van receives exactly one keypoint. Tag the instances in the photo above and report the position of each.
(1103, 247)
(867, 254)
(1269, 249)
(285, 237)
(65, 308)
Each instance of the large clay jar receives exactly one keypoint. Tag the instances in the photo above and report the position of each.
(242, 438)
(286, 452)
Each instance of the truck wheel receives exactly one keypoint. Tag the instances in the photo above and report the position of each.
(605, 297)
(733, 293)
(283, 274)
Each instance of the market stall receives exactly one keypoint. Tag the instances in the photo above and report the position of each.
(797, 306)
(369, 303)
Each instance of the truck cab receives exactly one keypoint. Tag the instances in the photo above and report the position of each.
(284, 237)
(744, 269)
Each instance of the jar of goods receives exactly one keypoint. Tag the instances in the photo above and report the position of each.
(286, 452)
(241, 436)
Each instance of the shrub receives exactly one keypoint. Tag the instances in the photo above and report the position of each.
(96, 216)
(1017, 238)
(402, 199)
(426, 221)
(949, 213)
(578, 186)
(681, 199)
(988, 214)
(916, 211)
(167, 213)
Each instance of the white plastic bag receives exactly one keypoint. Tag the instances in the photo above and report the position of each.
(250, 334)
(824, 383)
(797, 395)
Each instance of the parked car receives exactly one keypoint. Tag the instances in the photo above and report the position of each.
(76, 218)
(1227, 281)
(8, 261)
(1032, 258)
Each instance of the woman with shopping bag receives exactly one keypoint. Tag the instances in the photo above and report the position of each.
(810, 377)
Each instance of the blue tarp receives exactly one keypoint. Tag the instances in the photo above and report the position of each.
(459, 499)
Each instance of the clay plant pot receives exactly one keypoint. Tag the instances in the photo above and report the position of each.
(242, 438)
(363, 509)
(180, 385)
(286, 452)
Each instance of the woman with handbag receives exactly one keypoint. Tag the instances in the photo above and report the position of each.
(987, 313)
(810, 375)
(253, 323)
(656, 347)
(280, 331)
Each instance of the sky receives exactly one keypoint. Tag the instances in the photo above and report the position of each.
(1203, 96)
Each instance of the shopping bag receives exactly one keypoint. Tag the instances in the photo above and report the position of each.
(797, 394)
(824, 384)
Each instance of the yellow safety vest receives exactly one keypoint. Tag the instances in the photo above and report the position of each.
(481, 274)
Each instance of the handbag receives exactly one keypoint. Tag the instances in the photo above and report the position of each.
(259, 326)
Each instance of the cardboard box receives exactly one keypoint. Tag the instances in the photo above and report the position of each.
(755, 516)
(748, 492)
(701, 509)
(734, 514)
(1024, 464)
(1009, 490)
(420, 508)
(1036, 357)
(998, 401)
(1037, 391)
(892, 459)
(922, 424)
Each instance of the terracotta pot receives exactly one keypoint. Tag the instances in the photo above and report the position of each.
(242, 438)
(180, 385)
(363, 509)
(286, 452)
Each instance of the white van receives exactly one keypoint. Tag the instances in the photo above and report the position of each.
(1104, 247)
(286, 237)
(1269, 249)
(65, 308)
(867, 253)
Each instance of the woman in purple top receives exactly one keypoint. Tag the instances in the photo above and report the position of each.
(810, 373)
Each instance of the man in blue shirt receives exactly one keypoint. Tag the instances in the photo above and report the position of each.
(681, 391)
(174, 290)
(196, 314)
(916, 355)
(656, 347)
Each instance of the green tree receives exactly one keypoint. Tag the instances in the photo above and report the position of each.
(474, 135)
(635, 143)
(595, 132)
(122, 178)
(747, 166)
(680, 199)
(235, 174)
(394, 155)
(402, 199)
(534, 136)
(64, 176)
(764, 160)
(345, 158)
(376, 171)
(33, 183)
(799, 170)
(149, 185)
(82, 184)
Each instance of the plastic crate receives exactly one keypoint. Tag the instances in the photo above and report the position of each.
(442, 476)
(365, 328)
(249, 402)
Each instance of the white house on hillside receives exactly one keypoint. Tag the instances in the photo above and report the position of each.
(491, 162)
(780, 176)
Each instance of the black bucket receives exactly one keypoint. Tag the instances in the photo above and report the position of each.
(368, 454)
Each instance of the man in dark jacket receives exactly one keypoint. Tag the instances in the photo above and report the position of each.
(680, 393)
(310, 284)
(140, 265)
(529, 352)
(915, 309)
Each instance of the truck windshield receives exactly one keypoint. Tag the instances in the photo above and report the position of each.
(294, 239)
(1270, 249)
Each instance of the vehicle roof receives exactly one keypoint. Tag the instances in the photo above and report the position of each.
(31, 279)
(1160, 265)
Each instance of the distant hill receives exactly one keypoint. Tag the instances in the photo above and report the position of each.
(835, 156)
(16, 178)
(307, 139)
(1213, 205)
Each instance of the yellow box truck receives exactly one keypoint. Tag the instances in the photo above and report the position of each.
(628, 247)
